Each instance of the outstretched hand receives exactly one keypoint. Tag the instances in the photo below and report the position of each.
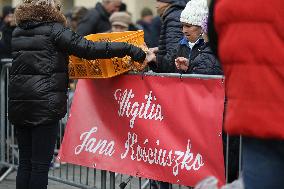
(150, 57)
(150, 53)
(182, 63)
(154, 50)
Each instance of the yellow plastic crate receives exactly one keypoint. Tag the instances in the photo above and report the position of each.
(106, 68)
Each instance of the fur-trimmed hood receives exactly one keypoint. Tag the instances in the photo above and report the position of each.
(38, 13)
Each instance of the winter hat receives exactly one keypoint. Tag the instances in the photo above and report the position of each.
(120, 18)
(146, 12)
(40, 11)
(54, 3)
(168, 1)
(196, 13)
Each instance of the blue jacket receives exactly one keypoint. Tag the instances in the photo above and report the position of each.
(202, 60)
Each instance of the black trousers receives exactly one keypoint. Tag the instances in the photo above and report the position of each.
(36, 147)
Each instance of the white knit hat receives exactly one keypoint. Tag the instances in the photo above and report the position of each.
(196, 13)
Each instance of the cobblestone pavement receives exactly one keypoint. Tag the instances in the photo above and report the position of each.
(90, 177)
(10, 183)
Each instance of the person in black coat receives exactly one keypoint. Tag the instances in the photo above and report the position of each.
(97, 19)
(194, 55)
(170, 34)
(146, 24)
(41, 45)
(6, 30)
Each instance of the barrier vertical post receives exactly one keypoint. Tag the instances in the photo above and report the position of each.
(2, 115)
(112, 180)
(103, 179)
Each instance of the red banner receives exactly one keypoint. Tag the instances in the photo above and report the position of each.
(167, 129)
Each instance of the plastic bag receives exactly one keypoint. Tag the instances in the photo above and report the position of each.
(212, 183)
(238, 184)
(208, 183)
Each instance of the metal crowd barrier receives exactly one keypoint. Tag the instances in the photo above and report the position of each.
(73, 175)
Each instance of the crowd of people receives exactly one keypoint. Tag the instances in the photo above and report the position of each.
(39, 38)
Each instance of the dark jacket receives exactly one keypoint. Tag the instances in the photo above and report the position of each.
(148, 33)
(156, 25)
(211, 29)
(39, 73)
(5, 40)
(95, 21)
(171, 33)
(201, 58)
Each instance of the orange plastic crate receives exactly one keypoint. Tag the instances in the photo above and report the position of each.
(106, 68)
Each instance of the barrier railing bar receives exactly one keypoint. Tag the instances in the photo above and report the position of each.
(240, 156)
(145, 185)
(81, 174)
(95, 177)
(7, 142)
(73, 176)
(112, 180)
(7, 173)
(87, 177)
(227, 158)
(3, 102)
(140, 183)
(103, 179)
(177, 75)
(67, 171)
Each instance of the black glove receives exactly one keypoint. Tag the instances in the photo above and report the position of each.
(137, 54)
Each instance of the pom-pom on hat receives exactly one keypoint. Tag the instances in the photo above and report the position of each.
(196, 13)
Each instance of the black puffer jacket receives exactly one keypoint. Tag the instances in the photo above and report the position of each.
(95, 21)
(39, 76)
(202, 60)
(171, 33)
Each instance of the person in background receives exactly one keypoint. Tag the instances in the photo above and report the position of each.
(7, 26)
(156, 30)
(146, 24)
(120, 21)
(132, 26)
(39, 80)
(194, 55)
(249, 40)
(6, 30)
(171, 33)
(78, 14)
(123, 7)
(97, 19)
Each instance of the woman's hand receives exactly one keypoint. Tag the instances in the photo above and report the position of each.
(154, 50)
(150, 53)
(182, 63)
(150, 56)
